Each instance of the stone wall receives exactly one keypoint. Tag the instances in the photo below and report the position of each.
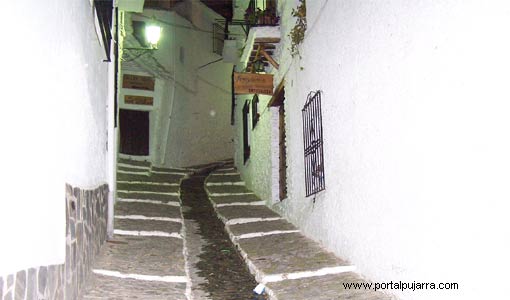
(86, 218)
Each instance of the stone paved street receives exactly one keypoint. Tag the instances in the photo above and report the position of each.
(218, 271)
(231, 243)
(290, 265)
(145, 259)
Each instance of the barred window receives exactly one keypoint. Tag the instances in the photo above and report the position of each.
(313, 144)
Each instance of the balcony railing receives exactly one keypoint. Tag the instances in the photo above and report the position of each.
(266, 16)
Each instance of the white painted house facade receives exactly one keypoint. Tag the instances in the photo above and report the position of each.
(189, 117)
(415, 137)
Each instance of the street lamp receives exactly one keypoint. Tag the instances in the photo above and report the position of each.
(153, 34)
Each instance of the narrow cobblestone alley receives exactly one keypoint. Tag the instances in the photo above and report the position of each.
(201, 234)
(219, 270)
(148, 256)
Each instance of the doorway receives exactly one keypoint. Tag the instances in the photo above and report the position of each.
(278, 101)
(134, 132)
(283, 152)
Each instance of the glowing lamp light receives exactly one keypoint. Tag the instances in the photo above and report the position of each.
(153, 34)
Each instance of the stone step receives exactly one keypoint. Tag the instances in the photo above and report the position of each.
(323, 288)
(106, 287)
(224, 178)
(228, 213)
(171, 178)
(141, 163)
(147, 209)
(147, 187)
(225, 170)
(168, 178)
(287, 253)
(277, 253)
(125, 169)
(170, 170)
(132, 177)
(142, 255)
(149, 196)
(226, 189)
(265, 226)
(147, 225)
(221, 200)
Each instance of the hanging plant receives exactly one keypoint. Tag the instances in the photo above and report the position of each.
(297, 34)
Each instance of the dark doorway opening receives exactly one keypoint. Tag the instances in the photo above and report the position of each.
(278, 100)
(246, 139)
(134, 132)
(283, 152)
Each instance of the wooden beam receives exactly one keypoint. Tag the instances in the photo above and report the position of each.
(278, 95)
(269, 51)
(267, 40)
(266, 46)
(261, 47)
(270, 59)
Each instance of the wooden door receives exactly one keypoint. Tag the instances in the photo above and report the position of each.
(134, 132)
(283, 152)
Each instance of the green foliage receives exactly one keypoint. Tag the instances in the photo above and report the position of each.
(297, 34)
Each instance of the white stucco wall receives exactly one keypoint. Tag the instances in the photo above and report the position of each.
(193, 124)
(55, 87)
(199, 129)
(257, 171)
(415, 104)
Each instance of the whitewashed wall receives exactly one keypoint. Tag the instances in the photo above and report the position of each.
(415, 116)
(192, 120)
(199, 129)
(54, 91)
(257, 171)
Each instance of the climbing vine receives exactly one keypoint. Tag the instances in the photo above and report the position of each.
(297, 34)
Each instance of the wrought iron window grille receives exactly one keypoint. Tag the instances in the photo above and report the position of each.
(255, 116)
(313, 144)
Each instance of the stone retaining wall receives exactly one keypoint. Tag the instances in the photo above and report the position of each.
(86, 219)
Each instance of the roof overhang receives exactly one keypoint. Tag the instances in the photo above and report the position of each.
(131, 5)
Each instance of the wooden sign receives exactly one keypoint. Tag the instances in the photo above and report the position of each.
(253, 83)
(138, 100)
(138, 82)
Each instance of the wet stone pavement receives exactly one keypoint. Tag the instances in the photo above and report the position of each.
(168, 242)
(185, 234)
(220, 265)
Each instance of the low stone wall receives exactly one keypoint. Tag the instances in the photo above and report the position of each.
(86, 219)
